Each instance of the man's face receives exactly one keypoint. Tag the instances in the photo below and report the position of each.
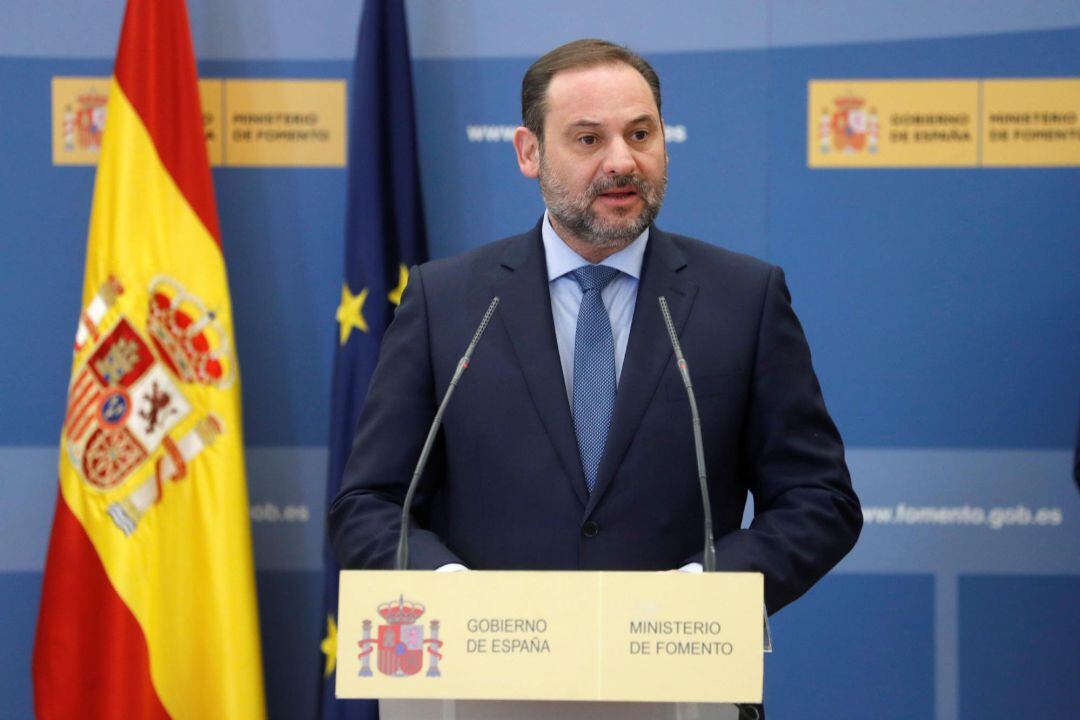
(602, 164)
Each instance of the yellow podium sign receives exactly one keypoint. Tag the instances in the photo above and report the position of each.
(615, 636)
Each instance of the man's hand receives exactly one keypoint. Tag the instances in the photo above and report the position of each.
(451, 567)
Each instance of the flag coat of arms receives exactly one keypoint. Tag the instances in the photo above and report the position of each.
(148, 603)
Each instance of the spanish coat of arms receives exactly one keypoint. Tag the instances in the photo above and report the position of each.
(400, 642)
(127, 398)
(850, 128)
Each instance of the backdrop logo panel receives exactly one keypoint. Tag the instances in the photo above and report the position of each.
(285, 123)
(943, 123)
(870, 123)
(1031, 122)
(269, 123)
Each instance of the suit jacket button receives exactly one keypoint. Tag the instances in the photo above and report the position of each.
(590, 529)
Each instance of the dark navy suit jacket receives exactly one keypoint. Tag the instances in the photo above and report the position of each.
(505, 489)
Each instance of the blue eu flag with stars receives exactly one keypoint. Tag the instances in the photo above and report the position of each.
(384, 236)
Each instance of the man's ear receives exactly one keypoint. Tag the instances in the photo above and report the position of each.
(527, 147)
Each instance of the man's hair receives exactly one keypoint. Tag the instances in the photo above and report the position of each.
(573, 55)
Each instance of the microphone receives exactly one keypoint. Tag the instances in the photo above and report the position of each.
(402, 561)
(709, 558)
(746, 711)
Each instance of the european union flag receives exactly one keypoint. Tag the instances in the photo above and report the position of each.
(384, 236)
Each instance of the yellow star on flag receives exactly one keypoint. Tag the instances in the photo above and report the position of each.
(329, 646)
(394, 295)
(350, 313)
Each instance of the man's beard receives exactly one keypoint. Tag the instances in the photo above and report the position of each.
(576, 215)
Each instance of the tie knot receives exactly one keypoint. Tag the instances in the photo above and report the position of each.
(594, 277)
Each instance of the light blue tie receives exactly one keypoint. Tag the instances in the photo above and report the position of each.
(594, 369)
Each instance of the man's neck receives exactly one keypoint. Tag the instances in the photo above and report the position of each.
(590, 252)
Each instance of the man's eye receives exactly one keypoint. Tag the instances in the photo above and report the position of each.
(640, 135)
(587, 139)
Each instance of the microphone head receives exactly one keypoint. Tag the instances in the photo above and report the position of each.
(670, 325)
(483, 326)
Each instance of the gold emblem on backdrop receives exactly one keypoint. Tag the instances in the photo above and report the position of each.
(78, 118)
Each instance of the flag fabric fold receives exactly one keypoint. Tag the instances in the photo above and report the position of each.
(385, 236)
(148, 604)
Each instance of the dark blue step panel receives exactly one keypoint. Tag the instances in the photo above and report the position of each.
(855, 646)
(1018, 640)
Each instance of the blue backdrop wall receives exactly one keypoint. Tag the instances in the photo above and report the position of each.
(943, 308)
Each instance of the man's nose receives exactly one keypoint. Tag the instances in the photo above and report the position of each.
(619, 159)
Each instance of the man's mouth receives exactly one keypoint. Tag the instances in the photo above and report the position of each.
(618, 195)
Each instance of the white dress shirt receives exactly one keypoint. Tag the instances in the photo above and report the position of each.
(620, 296)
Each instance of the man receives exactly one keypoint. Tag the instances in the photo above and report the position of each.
(568, 443)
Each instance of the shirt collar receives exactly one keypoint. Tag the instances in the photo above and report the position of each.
(562, 260)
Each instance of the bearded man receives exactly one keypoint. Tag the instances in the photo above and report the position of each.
(568, 444)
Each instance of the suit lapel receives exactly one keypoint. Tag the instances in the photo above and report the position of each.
(648, 350)
(525, 314)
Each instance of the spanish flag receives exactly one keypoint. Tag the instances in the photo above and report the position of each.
(148, 605)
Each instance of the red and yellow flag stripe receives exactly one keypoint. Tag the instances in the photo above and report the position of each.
(148, 604)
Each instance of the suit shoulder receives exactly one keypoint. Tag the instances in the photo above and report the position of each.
(714, 258)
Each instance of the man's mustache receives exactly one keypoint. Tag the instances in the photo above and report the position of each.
(642, 186)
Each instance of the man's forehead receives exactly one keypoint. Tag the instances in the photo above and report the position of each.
(600, 93)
